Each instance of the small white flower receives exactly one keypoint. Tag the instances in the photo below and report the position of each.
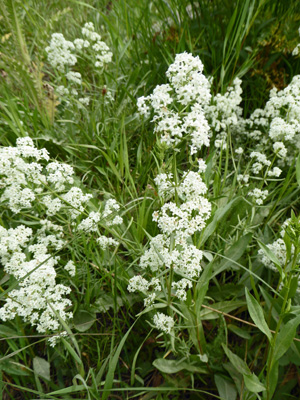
(70, 267)
(163, 322)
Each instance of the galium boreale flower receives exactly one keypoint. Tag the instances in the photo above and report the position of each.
(63, 55)
(258, 195)
(178, 112)
(189, 87)
(61, 52)
(163, 322)
(38, 298)
(30, 182)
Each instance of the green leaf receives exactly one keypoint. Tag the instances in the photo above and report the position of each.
(236, 361)
(226, 389)
(236, 376)
(222, 306)
(83, 320)
(298, 170)
(239, 331)
(173, 366)
(41, 367)
(285, 337)
(273, 379)
(251, 380)
(293, 287)
(15, 368)
(202, 287)
(234, 253)
(257, 314)
(219, 214)
(69, 390)
(71, 351)
(253, 384)
(113, 363)
(105, 301)
(6, 331)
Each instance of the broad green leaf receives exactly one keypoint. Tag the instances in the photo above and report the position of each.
(236, 361)
(236, 376)
(293, 287)
(83, 320)
(288, 245)
(251, 380)
(273, 379)
(274, 307)
(257, 314)
(105, 301)
(253, 384)
(173, 366)
(285, 337)
(6, 331)
(226, 389)
(41, 367)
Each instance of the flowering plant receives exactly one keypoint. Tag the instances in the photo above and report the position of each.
(45, 193)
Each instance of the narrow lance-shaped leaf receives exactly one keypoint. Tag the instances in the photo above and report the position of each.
(257, 314)
(285, 337)
(253, 384)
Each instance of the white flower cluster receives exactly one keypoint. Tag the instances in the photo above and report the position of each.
(102, 53)
(186, 78)
(181, 287)
(28, 181)
(185, 209)
(63, 54)
(172, 249)
(259, 195)
(279, 249)
(184, 258)
(25, 179)
(149, 288)
(261, 161)
(38, 298)
(243, 179)
(190, 216)
(90, 224)
(225, 113)
(188, 87)
(279, 122)
(163, 322)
